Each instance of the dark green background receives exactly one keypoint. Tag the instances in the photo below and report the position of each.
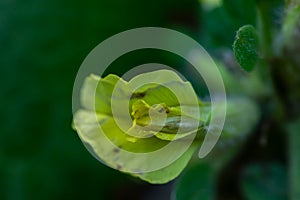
(42, 45)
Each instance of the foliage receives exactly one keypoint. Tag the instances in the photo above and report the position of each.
(43, 44)
(159, 130)
(245, 47)
(264, 181)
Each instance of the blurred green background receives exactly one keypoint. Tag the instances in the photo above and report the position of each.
(42, 46)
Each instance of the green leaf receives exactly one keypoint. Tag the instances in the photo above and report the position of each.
(268, 181)
(197, 182)
(245, 47)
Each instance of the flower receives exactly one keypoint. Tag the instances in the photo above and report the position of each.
(151, 125)
(145, 129)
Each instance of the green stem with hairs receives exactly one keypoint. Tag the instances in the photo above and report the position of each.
(293, 131)
(265, 28)
(290, 35)
(290, 24)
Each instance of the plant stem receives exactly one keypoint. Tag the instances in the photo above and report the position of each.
(290, 24)
(293, 130)
(290, 35)
(265, 28)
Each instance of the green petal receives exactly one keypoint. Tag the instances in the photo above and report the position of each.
(86, 124)
(96, 92)
(170, 172)
(155, 94)
(164, 86)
